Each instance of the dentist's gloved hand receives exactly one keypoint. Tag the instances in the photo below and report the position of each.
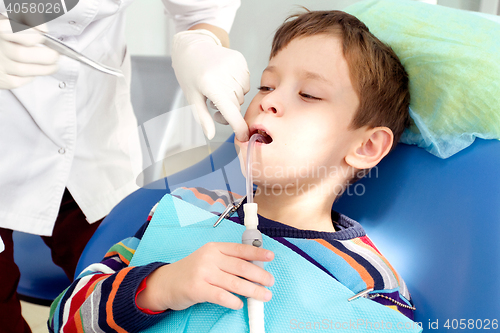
(206, 69)
(21, 58)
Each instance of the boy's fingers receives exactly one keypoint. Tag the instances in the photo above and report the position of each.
(246, 288)
(237, 285)
(247, 270)
(246, 252)
(217, 295)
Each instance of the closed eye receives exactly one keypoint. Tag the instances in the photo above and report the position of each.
(264, 88)
(310, 96)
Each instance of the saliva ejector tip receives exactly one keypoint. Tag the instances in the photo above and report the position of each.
(255, 137)
(262, 136)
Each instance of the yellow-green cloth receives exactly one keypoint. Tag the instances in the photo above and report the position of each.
(453, 61)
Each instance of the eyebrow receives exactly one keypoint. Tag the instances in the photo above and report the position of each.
(304, 74)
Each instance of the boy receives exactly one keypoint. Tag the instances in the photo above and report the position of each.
(332, 103)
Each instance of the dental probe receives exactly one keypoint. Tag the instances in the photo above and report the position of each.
(254, 237)
(56, 45)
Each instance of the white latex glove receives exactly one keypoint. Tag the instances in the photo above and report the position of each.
(21, 56)
(206, 69)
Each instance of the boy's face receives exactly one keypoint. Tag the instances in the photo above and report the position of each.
(305, 104)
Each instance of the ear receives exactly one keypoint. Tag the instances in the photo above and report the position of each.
(374, 145)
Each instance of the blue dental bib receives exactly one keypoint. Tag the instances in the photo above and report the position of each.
(304, 297)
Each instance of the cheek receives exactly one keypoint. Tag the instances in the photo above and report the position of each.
(318, 143)
(253, 109)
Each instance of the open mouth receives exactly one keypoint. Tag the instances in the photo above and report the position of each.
(266, 137)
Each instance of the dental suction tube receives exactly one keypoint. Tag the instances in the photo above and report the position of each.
(253, 236)
(251, 143)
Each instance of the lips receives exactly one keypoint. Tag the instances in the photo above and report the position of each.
(259, 129)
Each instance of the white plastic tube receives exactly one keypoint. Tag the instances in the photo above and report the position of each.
(253, 236)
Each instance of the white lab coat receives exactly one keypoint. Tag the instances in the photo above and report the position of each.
(76, 128)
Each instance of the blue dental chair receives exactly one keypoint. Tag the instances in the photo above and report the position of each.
(437, 222)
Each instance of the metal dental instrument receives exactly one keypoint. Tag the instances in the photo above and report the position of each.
(230, 209)
(64, 49)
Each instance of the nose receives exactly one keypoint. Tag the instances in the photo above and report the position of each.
(270, 103)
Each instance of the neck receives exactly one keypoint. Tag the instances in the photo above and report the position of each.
(306, 210)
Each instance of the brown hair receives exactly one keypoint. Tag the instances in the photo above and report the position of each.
(377, 75)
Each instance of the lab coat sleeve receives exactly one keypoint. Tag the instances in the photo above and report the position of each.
(186, 13)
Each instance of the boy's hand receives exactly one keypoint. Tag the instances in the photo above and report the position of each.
(210, 274)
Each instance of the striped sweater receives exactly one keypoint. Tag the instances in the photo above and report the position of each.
(102, 298)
